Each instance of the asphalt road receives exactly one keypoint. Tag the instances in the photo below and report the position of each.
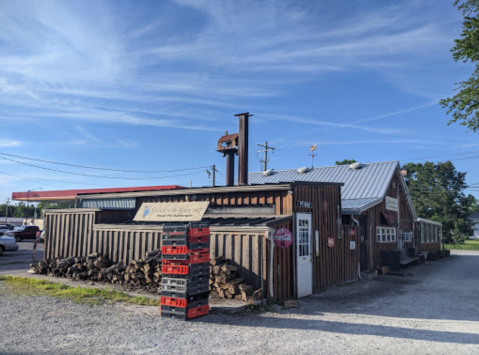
(434, 311)
(13, 262)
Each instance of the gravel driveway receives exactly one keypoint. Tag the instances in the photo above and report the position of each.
(436, 311)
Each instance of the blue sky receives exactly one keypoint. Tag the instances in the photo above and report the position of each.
(152, 85)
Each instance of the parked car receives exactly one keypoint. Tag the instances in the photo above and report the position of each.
(23, 232)
(10, 226)
(7, 244)
(42, 237)
(4, 228)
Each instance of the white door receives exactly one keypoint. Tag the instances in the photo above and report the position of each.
(304, 254)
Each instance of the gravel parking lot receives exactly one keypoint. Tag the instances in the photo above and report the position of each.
(436, 311)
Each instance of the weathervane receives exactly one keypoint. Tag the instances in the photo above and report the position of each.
(312, 155)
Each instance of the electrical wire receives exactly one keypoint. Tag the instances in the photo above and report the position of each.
(23, 177)
(99, 176)
(106, 169)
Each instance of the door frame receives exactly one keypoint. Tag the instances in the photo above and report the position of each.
(296, 250)
(364, 217)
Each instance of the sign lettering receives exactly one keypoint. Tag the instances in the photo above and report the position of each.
(304, 204)
(391, 203)
(282, 238)
(352, 245)
(171, 212)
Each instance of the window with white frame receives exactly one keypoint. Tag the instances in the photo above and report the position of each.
(407, 236)
(385, 235)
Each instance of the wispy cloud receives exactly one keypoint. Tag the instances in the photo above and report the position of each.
(6, 143)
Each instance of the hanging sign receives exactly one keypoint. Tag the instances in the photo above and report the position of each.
(282, 238)
(171, 211)
(352, 245)
(331, 242)
(304, 204)
(391, 203)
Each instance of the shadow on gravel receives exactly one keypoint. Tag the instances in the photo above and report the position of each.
(350, 328)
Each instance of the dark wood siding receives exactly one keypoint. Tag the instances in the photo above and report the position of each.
(406, 223)
(331, 266)
(283, 277)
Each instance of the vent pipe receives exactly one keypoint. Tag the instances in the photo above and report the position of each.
(243, 148)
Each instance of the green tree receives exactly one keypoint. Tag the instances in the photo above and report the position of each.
(465, 104)
(437, 192)
(345, 162)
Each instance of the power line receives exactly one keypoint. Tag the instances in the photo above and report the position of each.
(441, 156)
(96, 168)
(98, 176)
(265, 151)
(23, 177)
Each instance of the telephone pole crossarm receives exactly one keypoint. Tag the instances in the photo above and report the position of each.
(265, 151)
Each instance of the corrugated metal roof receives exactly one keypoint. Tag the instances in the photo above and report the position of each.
(359, 204)
(371, 181)
(126, 203)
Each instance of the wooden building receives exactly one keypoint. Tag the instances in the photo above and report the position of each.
(375, 198)
(243, 221)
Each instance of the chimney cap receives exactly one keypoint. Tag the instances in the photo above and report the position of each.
(243, 114)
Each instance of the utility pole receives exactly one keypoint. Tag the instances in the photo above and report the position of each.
(6, 215)
(214, 175)
(213, 168)
(265, 151)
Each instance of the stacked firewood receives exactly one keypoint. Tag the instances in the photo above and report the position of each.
(143, 274)
(225, 283)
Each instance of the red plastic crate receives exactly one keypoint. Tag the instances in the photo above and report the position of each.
(174, 302)
(181, 249)
(198, 232)
(199, 239)
(198, 311)
(191, 259)
(175, 269)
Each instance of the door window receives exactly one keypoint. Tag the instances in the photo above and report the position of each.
(303, 237)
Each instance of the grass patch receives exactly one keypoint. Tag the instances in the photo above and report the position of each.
(470, 244)
(34, 287)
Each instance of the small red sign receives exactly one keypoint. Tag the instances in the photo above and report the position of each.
(352, 232)
(37, 236)
(283, 238)
(331, 242)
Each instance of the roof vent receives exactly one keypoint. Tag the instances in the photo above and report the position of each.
(303, 170)
(355, 166)
(268, 172)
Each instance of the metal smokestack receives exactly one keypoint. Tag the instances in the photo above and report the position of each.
(243, 148)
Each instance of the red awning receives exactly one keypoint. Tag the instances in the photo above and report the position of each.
(388, 219)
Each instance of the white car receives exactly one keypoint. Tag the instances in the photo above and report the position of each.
(7, 244)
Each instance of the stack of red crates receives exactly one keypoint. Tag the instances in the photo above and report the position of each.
(185, 281)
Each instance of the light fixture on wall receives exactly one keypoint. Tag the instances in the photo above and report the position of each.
(403, 171)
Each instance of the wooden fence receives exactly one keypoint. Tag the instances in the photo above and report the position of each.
(243, 250)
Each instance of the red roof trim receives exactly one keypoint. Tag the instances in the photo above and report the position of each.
(71, 194)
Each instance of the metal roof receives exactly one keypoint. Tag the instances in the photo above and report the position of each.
(357, 205)
(363, 188)
(371, 181)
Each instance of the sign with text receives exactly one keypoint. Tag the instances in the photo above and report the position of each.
(331, 242)
(391, 203)
(352, 245)
(282, 238)
(171, 212)
(304, 204)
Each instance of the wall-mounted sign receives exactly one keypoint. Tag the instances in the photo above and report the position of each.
(391, 203)
(331, 242)
(171, 211)
(352, 232)
(282, 238)
(352, 245)
(304, 204)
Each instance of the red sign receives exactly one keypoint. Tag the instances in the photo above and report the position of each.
(352, 232)
(37, 236)
(330, 242)
(283, 238)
